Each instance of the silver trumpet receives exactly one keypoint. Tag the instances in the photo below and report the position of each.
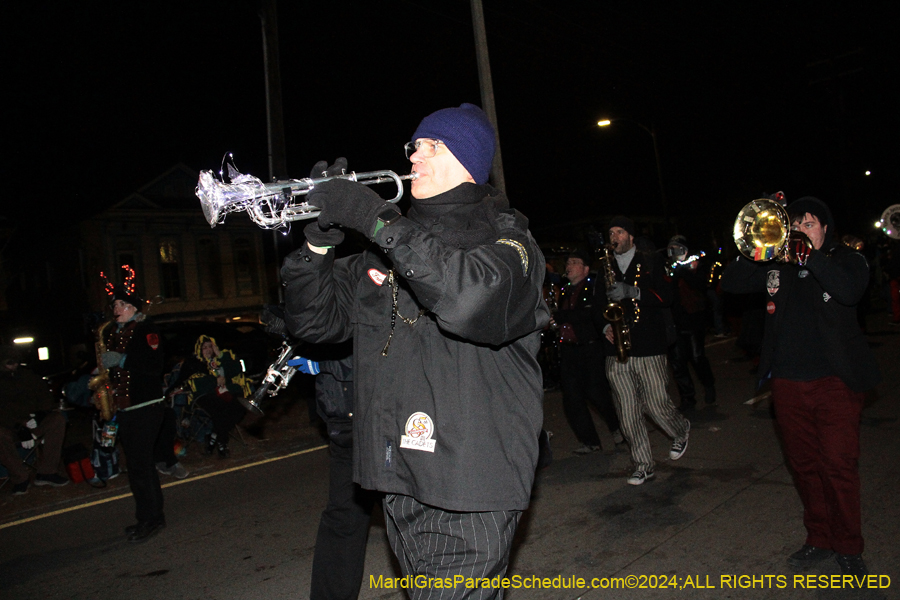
(278, 376)
(272, 205)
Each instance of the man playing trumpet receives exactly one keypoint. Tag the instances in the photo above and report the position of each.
(445, 310)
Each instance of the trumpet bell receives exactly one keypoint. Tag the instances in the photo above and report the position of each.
(761, 229)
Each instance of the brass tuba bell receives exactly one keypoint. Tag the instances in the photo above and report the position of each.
(762, 230)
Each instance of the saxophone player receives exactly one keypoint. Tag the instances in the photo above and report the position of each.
(639, 384)
(135, 362)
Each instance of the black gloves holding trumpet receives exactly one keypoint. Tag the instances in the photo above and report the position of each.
(342, 203)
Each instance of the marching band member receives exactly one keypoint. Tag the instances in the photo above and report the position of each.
(820, 365)
(134, 360)
(445, 311)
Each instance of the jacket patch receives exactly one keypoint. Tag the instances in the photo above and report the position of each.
(803, 274)
(770, 308)
(153, 340)
(377, 276)
(826, 296)
(523, 255)
(419, 429)
(773, 282)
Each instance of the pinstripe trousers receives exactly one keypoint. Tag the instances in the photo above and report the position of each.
(639, 387)
(436, 543)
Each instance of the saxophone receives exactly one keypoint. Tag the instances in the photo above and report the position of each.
(99, 383)
(613, 311)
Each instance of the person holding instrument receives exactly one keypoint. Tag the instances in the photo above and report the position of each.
(445, 310)
(639, 383)
(134, 360)
(820, 365)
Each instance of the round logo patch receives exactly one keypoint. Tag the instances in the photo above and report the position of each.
(770, 308)
(419, 426)
(419, 429)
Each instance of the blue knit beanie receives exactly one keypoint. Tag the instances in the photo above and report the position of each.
(467, 132)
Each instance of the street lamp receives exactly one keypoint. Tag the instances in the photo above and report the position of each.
(652, 133)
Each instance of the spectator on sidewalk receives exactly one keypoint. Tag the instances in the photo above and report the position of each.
(28, 417)
(217, 389)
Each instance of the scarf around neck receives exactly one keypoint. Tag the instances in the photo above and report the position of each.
(464, 217)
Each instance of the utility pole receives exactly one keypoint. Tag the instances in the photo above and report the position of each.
(487, 89)
(268, 15)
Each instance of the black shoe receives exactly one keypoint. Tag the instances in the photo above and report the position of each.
(52, 479)
(808, 556)
(20, 488)
(132, 528)
(210, 445)
(224, 452)
(852, 564)
(144, 530)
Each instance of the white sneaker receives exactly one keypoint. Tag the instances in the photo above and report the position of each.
(639, 477)
(178, 471)
(680, 445)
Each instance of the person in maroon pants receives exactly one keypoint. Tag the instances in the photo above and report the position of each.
(820, 365)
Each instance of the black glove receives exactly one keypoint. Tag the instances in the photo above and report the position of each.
(799, 248)
(346, 203)
(272, 317)
(323, 238)
(321, 169)
(316, 235)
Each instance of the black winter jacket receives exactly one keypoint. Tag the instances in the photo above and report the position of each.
(451, 414)
(647, 317)
(580, 316)
(842, 276)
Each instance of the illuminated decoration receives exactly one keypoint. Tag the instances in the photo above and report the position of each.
(128, 284)
(43, 353)
(23, 340)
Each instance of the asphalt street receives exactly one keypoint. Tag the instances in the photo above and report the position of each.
(718, 523)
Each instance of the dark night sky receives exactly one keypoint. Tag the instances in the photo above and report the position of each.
(745, 98)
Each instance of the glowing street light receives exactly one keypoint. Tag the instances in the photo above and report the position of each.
(652, 134)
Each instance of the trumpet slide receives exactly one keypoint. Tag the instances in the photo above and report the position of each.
(273, 205)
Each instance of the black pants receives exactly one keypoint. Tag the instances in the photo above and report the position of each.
(340, 554)
(583, 380)
(225, 415)
(138, 430)
(440, 544)
(688, 349)
(164, 449)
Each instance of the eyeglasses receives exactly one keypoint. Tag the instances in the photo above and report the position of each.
(427, 148)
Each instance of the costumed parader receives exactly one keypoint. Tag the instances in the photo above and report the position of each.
(133, 358)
